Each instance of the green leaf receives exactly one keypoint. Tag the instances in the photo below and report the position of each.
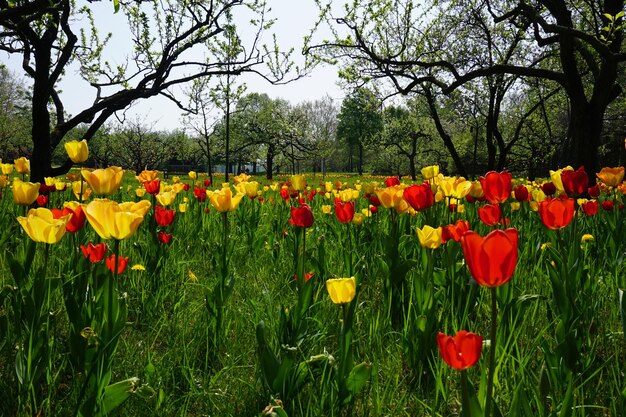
(358, 377)
(116, 5)
(568, 400)
(115, 394)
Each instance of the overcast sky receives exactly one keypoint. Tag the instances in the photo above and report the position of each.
(294, 20)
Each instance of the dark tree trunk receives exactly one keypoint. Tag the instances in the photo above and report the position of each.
(585, 133)
(360, 167)
(210, 167)
(269, 161)
(447, 140)
(412, 167)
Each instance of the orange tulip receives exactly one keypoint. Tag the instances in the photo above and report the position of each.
(611, 176)
(556, 213)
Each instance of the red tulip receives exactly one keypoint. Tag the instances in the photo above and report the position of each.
(284, 194)
(576, 182)
(152, 187)
(521, 193)
(461, 351)
(121, 264)
(374, 200)
(391, 181)
(490, 214)
(207, 183)
(77, 221)
(420, 197)
(164, 238)
(590, 207)
(186, 187)
(548, 188)
(301, 216)
(491, 259)
(200, 194)
(497, 186)
(344, 211)
(42, 200)
(608, 205)
(594, 191)
(163, 216)
(556, 213)
(455, 231)
(95, 253)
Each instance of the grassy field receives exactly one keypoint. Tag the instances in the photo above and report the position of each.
(220, 323)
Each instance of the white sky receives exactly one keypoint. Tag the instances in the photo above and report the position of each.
(294, 19)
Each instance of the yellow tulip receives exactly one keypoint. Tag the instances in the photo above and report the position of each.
(140, 192)
(116, 221)
(7, 169)
(182, 208)
(42, 227)
(193, 175)
(223, 199)
(454, 187)
(4, 180)
(555, 177)
(248, 188)
(274, 186)
(430, 172)
(178, 187)
(358, 219)
(430, 237)
(611, 176)
(25, 193)
(166, 198)
(326, 209)
(515, 206)
(586, 238)
(477, 190)
(77, 151)
(22, 165)
(298, 182)
(76, 190)
(538, 195)
(146, 175)
(243, 177)
(368, 187)
(175, 179)
(105, 181)
(50, 181)
(348, 194)
(328, 186)
(391, 197)
(341, 290)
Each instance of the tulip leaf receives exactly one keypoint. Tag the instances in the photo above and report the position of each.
(622, 309)
(567, 403)
(269, 361)
(115, 394)
(474, 405)
(358, 377)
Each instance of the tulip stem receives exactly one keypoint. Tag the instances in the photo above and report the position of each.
(492, 351)
(467, 409)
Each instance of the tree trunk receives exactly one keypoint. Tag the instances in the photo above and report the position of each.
(360, 167)
(210, 167)
(269, 161)
(41, 159)
(412, 167)
(585, 133)
(447, 140)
